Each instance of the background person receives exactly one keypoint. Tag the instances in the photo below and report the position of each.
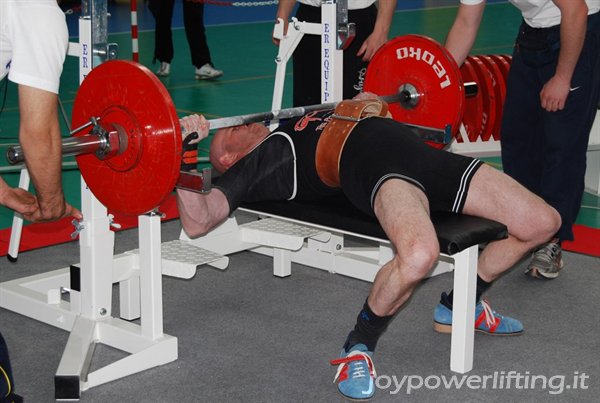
(33, 47)
(372, 29)
(552, 96)
(7, 383)
(193, 21)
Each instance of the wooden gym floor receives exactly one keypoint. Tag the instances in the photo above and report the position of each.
(240, 43)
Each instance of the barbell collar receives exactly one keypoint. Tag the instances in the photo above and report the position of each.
(102, 142)
(409, 96)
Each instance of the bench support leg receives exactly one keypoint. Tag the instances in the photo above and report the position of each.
(463, 312)
(282, 263)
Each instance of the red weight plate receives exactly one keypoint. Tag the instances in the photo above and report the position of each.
(425, 65)
(507, 59)
(128, 95)
(473, 117)
(488, 95)
(503, 64)
(500, 91)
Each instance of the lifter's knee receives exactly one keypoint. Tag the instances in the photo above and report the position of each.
(549, 222)
(416, 263)
(541, 225)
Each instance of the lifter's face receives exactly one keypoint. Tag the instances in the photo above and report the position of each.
(232, 143)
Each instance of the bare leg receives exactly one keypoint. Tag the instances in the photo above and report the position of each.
(403, 211)
(529, 219)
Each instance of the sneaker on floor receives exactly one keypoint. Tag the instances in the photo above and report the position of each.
(356, 373)
(486, 321)
(164, 69)
(546, 262)
(208, 72)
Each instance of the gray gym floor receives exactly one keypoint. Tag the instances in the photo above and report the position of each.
(247, 336)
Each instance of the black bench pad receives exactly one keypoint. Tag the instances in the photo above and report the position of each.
(455, 232)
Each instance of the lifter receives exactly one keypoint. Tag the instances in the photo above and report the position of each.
(389, 173)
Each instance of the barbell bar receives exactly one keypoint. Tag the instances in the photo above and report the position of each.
(106, 143)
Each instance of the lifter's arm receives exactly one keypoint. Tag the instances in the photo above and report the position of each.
(463, 33)
(199, 213)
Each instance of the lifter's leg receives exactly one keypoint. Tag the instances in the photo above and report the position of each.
(530, 220)
(403, 211)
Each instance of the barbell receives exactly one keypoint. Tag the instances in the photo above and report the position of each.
(130, 159)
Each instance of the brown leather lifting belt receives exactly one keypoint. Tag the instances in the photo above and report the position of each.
(329, 148)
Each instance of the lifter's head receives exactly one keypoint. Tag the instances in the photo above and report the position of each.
(231, 144)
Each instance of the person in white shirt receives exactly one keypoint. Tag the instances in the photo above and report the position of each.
(33, 47)
(552, 96)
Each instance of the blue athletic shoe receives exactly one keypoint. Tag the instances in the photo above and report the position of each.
(356, 373)
(486, 321)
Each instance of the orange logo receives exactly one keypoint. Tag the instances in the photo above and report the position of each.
(306, 119)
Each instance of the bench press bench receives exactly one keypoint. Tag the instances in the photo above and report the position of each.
(312, 234)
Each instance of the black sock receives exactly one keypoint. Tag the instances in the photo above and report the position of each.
(369, 327)
(482, 286)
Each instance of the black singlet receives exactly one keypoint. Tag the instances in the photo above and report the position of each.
(377, 150)
(271, 170)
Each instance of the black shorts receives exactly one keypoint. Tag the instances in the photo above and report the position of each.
(380, 149)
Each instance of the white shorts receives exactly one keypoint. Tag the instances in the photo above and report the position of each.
(33, 42)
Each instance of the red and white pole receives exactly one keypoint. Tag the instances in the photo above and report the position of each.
(134, 32)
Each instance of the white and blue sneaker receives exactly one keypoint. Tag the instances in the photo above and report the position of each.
(356, 373)
(487, 320)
